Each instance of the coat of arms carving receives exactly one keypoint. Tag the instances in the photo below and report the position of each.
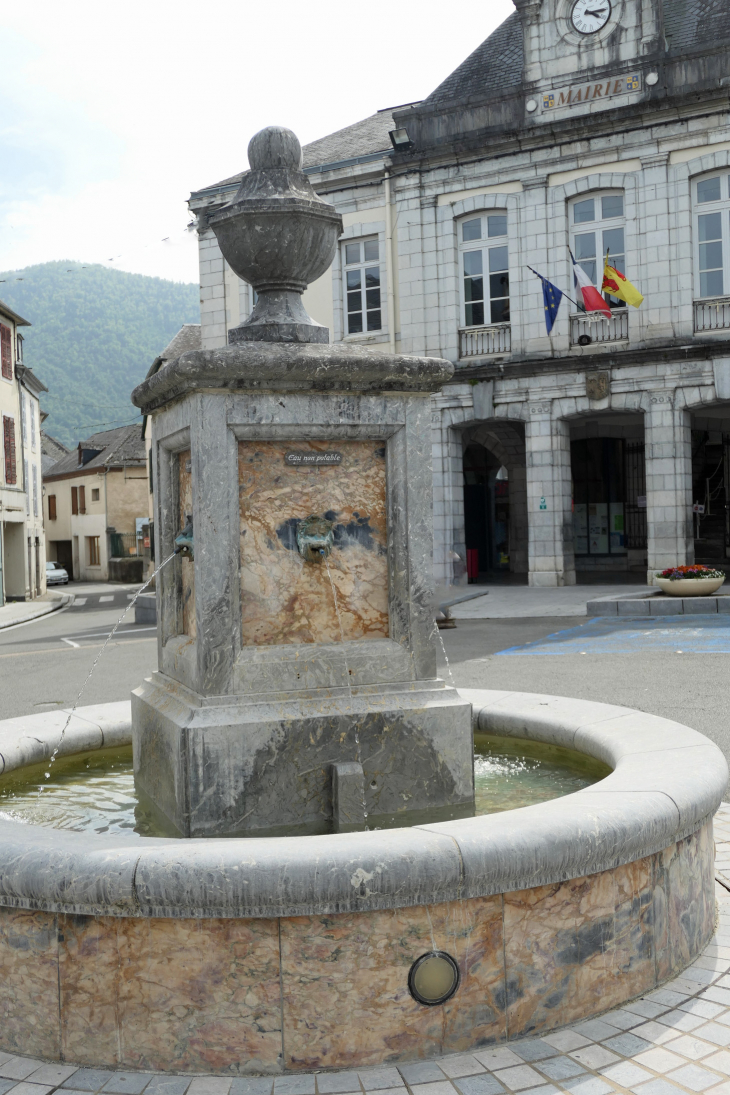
(598, 385)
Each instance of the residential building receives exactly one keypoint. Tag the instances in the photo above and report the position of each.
(22, 549)
(96, 498)
(604, 445)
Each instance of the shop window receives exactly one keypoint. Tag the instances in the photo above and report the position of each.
(598, 496)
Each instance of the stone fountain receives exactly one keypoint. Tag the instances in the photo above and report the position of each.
(297, 689)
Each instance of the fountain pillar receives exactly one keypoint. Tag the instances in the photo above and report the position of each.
(297, 666)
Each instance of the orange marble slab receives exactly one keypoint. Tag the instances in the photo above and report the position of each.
(577, 948)
(345, 984)
(29, 983)
(187, 566)
(284, 599)
(178, 995)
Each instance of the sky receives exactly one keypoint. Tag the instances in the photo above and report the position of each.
(111, 113)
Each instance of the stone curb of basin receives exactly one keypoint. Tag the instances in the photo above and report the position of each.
(17, 612)
(667, 780)
(653, 602)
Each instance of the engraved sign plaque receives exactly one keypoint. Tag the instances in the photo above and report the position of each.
(312, 459)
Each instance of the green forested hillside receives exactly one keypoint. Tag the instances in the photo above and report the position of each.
(95, 332)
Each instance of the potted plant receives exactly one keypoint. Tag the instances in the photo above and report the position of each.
(690, 581)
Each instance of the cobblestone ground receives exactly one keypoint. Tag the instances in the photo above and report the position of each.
(672, 1041)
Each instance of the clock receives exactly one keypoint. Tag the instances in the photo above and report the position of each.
(590, 16)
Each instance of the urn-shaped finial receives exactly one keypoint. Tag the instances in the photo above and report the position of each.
(279, 236)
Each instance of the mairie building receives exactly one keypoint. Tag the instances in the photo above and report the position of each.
(583, 126)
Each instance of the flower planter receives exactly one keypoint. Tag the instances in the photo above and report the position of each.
(689, 587)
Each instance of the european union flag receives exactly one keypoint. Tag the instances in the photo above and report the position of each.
(551, 296)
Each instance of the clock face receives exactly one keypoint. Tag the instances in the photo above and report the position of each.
(589, 16)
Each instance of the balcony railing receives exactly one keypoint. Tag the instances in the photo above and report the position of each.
(712, 315)
(481, 341)
(590, 330)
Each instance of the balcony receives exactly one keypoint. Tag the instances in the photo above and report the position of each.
(597, 330)
(712, 315)
(483, 341)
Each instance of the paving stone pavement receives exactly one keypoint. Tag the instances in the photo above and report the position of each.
(673, 1041)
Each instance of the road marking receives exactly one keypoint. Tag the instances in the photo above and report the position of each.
(71, 643)
(103, 634)
(65, 649)
(80, 601)
(110, 597)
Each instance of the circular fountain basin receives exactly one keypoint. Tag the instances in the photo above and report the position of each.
(273, 955)
(95, 791)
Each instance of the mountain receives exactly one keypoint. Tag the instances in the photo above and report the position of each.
(95, 332)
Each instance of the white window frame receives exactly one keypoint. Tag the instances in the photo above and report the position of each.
(599, 225)
(721, 206)
(485, 244)
(363, 265)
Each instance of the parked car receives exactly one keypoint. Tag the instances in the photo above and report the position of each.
(55, 574)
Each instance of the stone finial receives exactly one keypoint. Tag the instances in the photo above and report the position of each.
(528, 10)
(279, 236)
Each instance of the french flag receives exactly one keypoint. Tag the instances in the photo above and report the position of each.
(592, 299)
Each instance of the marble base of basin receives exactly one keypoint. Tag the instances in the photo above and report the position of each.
(264, 767)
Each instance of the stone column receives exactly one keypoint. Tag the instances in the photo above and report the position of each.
(547, 443)
(668, 438)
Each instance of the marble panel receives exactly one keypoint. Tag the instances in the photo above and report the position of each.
(576, 948)
(88, 986)
(351, 973)
(684, 900)
(29, 983)
(185, 503)
(173, 995)
(283, 598)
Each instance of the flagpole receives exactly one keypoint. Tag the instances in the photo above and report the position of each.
(575, 302)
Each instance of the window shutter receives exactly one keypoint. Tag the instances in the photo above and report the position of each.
(6, 352)
(51, 507)
(82, 499)
(11, 475)
(74, 500)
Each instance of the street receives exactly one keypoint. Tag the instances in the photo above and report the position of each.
(44, 663)
(675, 667)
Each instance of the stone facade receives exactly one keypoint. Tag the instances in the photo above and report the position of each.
(637, 112)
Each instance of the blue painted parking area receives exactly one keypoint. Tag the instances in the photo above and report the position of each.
(610, 635)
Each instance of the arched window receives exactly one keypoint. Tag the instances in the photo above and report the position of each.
(484, 260)
(711, 195)
(597, 225)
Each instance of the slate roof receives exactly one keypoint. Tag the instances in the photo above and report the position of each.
(187, 338)
(689, 23)
(363, 138)
(118, 447)
(494, 66)
(51, 451)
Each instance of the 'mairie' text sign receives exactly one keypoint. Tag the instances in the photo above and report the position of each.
(312, 459)
(580, 94)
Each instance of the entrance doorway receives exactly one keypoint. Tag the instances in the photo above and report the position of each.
(711, 496)
(486, 510)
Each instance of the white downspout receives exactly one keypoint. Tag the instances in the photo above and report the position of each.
(390, 264)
